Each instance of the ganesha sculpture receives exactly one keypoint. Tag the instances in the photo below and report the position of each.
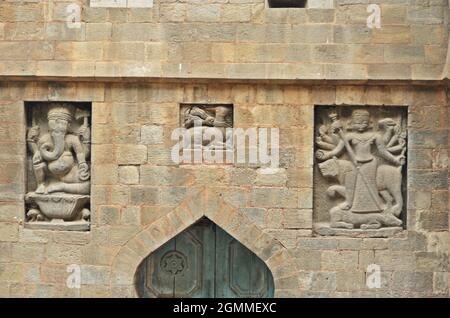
(61, 170)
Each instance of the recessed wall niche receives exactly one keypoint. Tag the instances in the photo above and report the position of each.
(58, 140)
(360, 170)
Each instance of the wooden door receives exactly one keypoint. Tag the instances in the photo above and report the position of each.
(240, 273)
(204, 262)
(182, 268)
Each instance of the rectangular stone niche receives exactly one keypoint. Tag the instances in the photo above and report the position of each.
(58, 187)
(205, 128)
(360, 170)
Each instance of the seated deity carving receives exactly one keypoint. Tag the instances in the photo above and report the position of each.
(60, 165)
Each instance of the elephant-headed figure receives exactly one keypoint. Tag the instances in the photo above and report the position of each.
(60, 163)
(60, 156)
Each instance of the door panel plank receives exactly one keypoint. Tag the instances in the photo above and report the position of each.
(241, 273)
(197, 279)
(154, 282)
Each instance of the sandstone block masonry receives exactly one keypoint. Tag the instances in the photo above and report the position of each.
(140, 199)
(132, 70)
(224, 39)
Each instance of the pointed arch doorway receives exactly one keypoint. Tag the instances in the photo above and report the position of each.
(204, 261)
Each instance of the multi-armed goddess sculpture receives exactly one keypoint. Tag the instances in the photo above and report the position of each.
(368, 167)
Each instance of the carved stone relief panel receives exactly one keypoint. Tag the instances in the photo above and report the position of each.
(58, 163)
(207, 120)
(207, 131)
(360, 170)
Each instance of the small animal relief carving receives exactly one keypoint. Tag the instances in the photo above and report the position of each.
(206, 126)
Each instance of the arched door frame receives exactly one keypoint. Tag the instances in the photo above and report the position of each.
(210, 204)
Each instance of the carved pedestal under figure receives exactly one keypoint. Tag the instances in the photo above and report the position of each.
(369, 174)
(61, 171)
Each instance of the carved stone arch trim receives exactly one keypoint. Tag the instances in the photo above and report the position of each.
(210, 204)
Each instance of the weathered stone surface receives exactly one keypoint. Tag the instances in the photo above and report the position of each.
(323, 281)
(63, 254)
(434, 262)
(11, 272)
(413, 281)
(59, 226)
(98, 31)
(307, 259)
(279, 178)
(274, 197)
(95, 254)
(160, 175)
(400, 260)
(305, 198)
(440, 283)
(256, 215)
(28, 253)
(108, 215)
(326, 230)
(129, 174)
(339, 260)
(95, 275)
(9, 232)
(270, 43)
(271, 217)
(434, 220)
(152, 134)
(76, 238)
(365, 259)
(132, 154)
(145, 195)
(350, 280)
(10, 213)
(297, 219)
(5, 252)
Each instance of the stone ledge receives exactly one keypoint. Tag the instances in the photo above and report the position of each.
(324, 229)
(59, 226)
(121, 3)
(104, 70)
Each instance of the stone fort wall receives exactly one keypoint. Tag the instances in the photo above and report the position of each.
(225, 39)
(136, 66)
(136, 189)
